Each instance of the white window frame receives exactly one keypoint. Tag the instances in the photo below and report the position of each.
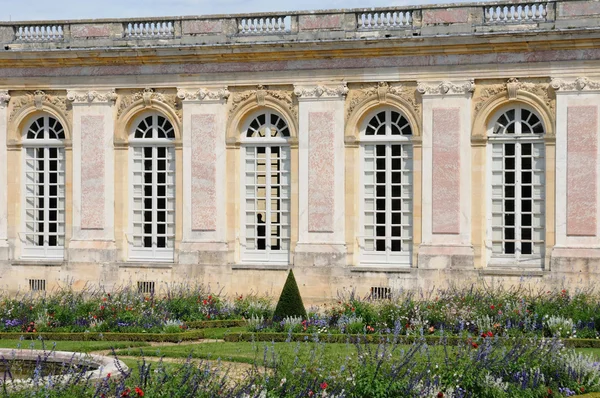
(154, 253)
(387, 257)
(45, 251)
(517, 258)
(249, 256)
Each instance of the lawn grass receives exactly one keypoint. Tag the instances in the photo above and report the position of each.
(77, 346)
(219, 333)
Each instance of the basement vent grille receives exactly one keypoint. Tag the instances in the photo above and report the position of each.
(145, 287)
(37, 285)
(381, 293)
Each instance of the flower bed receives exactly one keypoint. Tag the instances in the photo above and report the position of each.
(515, 312)
(125, 311)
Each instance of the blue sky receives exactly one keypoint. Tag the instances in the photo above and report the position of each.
(26, 10)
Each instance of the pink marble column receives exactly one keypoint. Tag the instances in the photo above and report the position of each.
(321, 171)
(204, 172)
(582, 154)
(446, 171)
(92, 172)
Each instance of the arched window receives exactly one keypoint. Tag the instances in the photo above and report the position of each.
(266, 189)
(516, 148)
(152, 206)
(44, 188)
(387, 180)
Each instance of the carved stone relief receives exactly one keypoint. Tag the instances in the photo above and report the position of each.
(380, 90)
(321, 91)
(512, 87)
(38, 99)
(203, 94)
(83, 97)
(260, 94)
(446, 87)
(4, 98)
(147, 96)
(579, 84)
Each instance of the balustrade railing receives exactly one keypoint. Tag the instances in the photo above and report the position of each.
(149, 30)
(264, 25)
(384, 20)
(39, 33)
(516, 13)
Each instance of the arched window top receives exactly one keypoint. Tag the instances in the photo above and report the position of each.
(266, 125)
(517, 121)
(153, 127)
(45, 129)
(388, 123)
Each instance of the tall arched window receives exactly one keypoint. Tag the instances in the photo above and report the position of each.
(516, 150)
(266, 189)
(387, 180)
(44, 188)
(152, 206)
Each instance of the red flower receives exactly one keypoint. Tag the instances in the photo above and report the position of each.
(310, 393)
(582, 389)
(204, 302)
(440, 395)
(139, 392)
(108, 375)
(490, 334)
(323, 385)
(474, 345)
(492, 307)
(126, 392)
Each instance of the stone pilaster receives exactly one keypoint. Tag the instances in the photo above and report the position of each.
(204, 165)
(93, 176)
(321, 239)
(577, 170)
(4, 99)
(446, 228)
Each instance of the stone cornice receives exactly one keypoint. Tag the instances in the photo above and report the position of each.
(203, 94)
(446, 88)
(580, 84)
(92, 96)
(321, 91)
(4, 98)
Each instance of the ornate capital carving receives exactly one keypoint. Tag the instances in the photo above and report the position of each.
(446, 88)
(579, 84)
(4, 98)
(86, 97)
(381, 91)
(321, 91)
(147, 96)
(203, 94)
(512, 87)
(261, 94)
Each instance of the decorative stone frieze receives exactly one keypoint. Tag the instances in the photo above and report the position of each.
(380, 91)
(203, 94)
(4, 98)
(321, 91)
(446, 88)
(260, 94)
(579, 84)
(512, 87)
(147, 96)
(86, 97)
(38, 99)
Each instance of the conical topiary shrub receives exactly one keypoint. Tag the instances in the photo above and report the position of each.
(290, 301)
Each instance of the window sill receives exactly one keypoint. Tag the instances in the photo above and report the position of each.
(384, 268)
(512, 271)
(146, 264)
(38, 263)
(261, 266)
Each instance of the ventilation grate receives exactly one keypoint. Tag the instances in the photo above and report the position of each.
(145, 287)
(380, 293)
(37, 285)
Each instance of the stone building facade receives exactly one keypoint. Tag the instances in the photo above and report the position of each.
(370, 149)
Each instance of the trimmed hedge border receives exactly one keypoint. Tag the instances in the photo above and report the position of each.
(154, 337)
(376, 338)
(223, 323)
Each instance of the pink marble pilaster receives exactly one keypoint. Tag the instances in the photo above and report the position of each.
(321, 171)
(446, 171)
(92, 172)
(204, 172)
(582, 153)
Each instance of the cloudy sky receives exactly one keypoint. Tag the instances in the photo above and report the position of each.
(14, 10)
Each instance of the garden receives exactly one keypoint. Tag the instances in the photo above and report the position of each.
(184, 341)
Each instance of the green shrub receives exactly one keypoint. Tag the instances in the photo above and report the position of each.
(290, 302)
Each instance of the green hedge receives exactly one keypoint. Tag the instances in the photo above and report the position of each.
(227, 323)
(375, 338)
(155, 337)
